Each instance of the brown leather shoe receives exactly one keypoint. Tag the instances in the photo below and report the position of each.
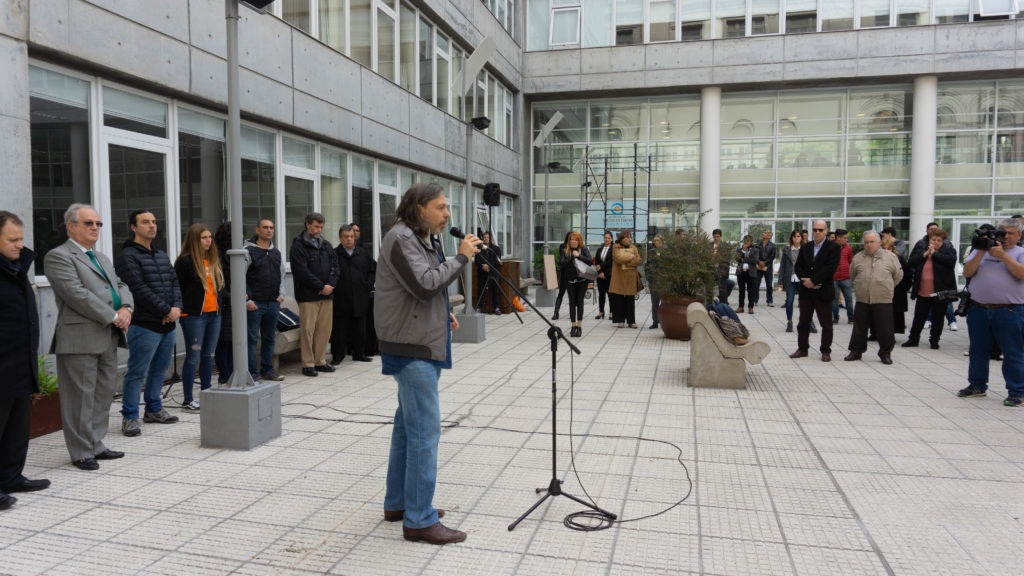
(800, 353)
(826, 357)
(434, 534)
(739, 310)
(852, 356)
(396, 515)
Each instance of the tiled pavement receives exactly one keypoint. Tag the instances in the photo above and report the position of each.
(839, 468)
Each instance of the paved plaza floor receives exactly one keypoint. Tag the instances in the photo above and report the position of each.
(816, 468)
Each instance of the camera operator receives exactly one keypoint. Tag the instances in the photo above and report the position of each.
(996, 270)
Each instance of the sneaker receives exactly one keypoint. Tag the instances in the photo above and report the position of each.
(192, 406)
(953, 326)
(970, 392)
(271, 376)
(161, 417)
(1013, 401)
(771, 305)
(928, 324)
(130, 427)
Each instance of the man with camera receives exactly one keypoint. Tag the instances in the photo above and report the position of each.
(996, 313)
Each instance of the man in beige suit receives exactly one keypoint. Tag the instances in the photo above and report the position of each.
(94, 309)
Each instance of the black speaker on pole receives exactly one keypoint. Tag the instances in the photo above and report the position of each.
(492, 194)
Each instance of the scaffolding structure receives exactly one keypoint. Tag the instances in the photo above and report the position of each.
(618, 212)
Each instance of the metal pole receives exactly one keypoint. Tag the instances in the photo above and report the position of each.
(240, 377)
(467, 212)
(547, 213)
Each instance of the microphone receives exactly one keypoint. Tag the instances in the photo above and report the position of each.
(454, 231)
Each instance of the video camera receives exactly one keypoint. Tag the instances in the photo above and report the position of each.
(986, 237)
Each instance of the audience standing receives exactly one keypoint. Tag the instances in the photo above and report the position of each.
(201, 279)
(766, 253)
(816, 267)
(264, 292)
(746, 273)
(351, 299)
(315, 275)
(603, 263)
(842, 278)
(787, 273)
(934, 271)
(874, 273)
(576, 285)
(625, 280)
(657, 245)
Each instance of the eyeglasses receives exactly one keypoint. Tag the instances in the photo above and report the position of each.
(91, 223)
(819, 229)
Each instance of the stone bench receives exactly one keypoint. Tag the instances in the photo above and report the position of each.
(716, 361)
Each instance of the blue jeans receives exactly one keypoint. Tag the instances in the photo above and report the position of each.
(790, 296)
(1006, 326)
(412, 466)
(201, 334)
(149, 356)
(262, 322)
(845, 287)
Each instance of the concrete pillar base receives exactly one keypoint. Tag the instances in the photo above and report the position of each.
(471, 329)
(240, 418)
(544, 298)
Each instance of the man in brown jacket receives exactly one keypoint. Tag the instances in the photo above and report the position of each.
(874, 273)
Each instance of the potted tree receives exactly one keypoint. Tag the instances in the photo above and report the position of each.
(687, 271)
(44, 415)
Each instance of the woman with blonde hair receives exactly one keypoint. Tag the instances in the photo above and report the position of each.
(201, 279)
(576, 285)
(625, 277)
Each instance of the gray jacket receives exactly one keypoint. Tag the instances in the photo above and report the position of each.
(410, 308)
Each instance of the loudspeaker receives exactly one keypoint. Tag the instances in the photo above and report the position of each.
(492, 194)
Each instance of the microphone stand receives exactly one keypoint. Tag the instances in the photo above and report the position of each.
(554, 487)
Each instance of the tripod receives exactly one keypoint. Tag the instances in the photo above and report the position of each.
(555, 486)
(492, 283)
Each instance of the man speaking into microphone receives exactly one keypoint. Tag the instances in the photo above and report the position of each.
(414, 324)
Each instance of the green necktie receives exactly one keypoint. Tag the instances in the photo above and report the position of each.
(113, 293)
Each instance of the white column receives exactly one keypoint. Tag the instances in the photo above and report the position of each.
(710, 155)
(922, 160)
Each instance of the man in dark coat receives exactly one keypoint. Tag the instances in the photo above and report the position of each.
(19, 340)
(352, 298)
(816, 267)
(315, 275)
(488, 264)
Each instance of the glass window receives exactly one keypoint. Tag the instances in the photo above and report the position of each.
(498, 121)
(827, 208)
(674, 119)
(963, 155)
(874, 13)
(334, 185)
(801, 16)
(297, 13)
(565, 26)
(663, 21)
(572, 127)
(747, 159)
(385, 45)
(748, 115)
(613, 120)
(538, 18)
(881, 110)
(731, 18)
(133, 112)
(362, 199)
(454, 198)
(966, 106)
(997, 7)
(963, 205)
(426, 53)
(59, 112)
(332, 23)
(138, 181)
(805, 112)
(764, 17)
(696, 20)
(810, 158)
(836, 15)
(912, 12)
(508, 119)
(597, 23)
(952, 11)
(456, 91)
(360, 31)
(492, 105)
(747, 208)
(387, 174)
(878, 206)
(407, 48)
(298, 153)
(202, 180)
(258, 175)
(298, 201)
(870, 157)
(629, 22)
(443, 81)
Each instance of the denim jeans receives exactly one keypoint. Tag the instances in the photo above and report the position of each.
(262, 322)
(1003, 325)
(149, 356)
(201, 334)
(412, 466)
(846, 288)
(790, 296)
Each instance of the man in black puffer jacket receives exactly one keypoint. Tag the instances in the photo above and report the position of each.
(315, 274)
(150, 276)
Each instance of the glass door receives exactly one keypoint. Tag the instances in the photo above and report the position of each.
(298, 201)
(387, 208)
(136, 175)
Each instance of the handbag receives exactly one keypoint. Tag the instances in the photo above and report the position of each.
(585, 270)
(639, 283)
(286, 320)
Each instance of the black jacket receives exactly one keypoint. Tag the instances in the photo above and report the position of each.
(490, 256)
(820, 269)
(355, 282)
(19, 330)
(568, 271)
(265, 272)
(153, 282)
(313, 268)
(603, 265)
(766, 252)
(750, 258)
(943, 268)
(193, 288)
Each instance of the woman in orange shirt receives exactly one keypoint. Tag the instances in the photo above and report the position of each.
(201, 279)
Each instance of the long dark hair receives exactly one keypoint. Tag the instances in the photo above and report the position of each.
(419, 194)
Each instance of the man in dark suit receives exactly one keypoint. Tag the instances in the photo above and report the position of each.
(94, 310)
(19, 340)
(488, 263)
(351, 299)
(815, 267)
